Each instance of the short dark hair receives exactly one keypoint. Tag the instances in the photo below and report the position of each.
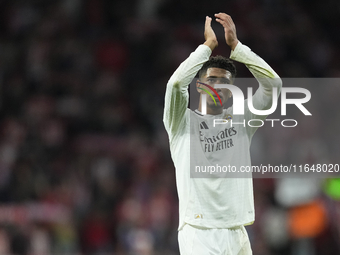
(218, 62)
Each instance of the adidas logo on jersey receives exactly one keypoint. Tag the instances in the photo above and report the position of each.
(203, 125)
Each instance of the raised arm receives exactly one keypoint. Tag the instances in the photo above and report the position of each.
(265, 75)
(176, 96)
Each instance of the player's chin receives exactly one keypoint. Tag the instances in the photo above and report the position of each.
(215, 106)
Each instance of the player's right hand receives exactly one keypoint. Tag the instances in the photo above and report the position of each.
(209, 34)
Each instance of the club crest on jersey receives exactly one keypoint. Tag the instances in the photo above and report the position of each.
(228, 117)
(198, 216)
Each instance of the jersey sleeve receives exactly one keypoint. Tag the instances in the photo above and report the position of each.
(176, 95)
(266, 77)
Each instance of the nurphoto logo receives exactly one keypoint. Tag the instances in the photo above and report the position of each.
(238, 104)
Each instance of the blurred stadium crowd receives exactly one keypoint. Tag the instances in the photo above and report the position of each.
(85, 166)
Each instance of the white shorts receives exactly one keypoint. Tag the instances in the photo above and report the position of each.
(201, 241)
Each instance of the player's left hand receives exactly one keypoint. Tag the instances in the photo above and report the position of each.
(229, 29)
(209, 34)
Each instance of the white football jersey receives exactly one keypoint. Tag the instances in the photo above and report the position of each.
(217, 202)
